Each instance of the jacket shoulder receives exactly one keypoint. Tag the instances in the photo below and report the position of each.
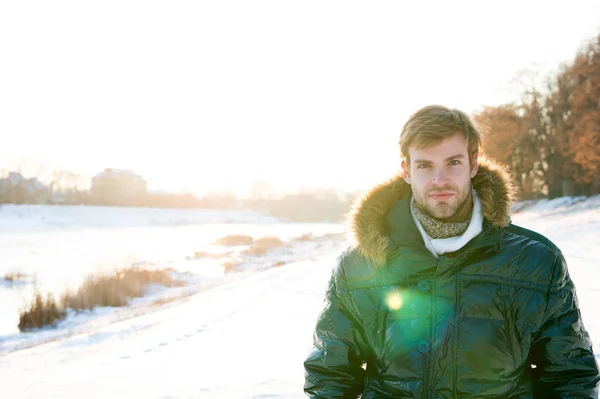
(536, 254)
(532, 237)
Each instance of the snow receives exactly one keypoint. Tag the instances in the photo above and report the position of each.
(42, 218)
(246, 337)
(62, 245)
(243, 339)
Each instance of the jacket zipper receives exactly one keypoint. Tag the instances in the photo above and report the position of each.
(426, 361)
(428, 355)
(429, 363)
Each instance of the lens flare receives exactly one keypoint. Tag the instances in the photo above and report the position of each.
(394, 300)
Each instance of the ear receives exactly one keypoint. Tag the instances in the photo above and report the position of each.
(474, 164)
(405, 172)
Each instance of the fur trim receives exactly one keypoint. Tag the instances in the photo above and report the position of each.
(367, 218)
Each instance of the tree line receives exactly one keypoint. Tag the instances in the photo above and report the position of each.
(550, 139)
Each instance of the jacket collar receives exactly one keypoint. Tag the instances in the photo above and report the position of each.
(381, 218)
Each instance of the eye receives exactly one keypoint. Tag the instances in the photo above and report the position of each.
(455, 162)
(423, 166)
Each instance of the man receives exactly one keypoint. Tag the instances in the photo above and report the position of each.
(442, 297)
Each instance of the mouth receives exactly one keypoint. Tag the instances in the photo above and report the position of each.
(441, 195)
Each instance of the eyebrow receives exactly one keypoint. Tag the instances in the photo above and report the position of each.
(457, 156)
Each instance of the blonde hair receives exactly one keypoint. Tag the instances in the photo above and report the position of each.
(434, 123)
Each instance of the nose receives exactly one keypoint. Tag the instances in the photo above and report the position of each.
(440, 177)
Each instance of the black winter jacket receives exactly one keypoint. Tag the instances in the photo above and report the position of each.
(496, 319)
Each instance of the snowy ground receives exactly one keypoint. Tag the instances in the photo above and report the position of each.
(240, 340)
(63, 245)
(248, 338)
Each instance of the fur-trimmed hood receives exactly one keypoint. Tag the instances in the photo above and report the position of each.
(367, 219)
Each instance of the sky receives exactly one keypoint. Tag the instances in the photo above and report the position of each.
(202, 96)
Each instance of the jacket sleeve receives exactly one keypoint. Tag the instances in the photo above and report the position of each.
(333, 366)
(562, 349)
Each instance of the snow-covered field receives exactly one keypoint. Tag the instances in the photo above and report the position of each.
(247, 337)
(62, 245)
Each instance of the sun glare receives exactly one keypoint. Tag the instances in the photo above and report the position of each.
(394, 300)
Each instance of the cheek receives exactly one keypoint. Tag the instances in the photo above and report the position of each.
(418, 181)
(459, 175)
(420, 187)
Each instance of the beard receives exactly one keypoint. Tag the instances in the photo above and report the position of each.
(456, 207)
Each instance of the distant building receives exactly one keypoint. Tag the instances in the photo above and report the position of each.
(16, 189)
(118, 187)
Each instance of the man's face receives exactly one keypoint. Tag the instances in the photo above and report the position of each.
(440, 177)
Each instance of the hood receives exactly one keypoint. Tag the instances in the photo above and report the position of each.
(367, 220)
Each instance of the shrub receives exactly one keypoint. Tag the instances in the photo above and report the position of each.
(99, 290)
(210, 255)
(14, 276)
(231, 265)
(234, 240)
(41, 313)
(116, 289)
(264, 245)
(305, 237)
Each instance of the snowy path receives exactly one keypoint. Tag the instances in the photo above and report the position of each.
(242, 340)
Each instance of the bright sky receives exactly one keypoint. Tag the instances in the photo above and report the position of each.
(199, 95)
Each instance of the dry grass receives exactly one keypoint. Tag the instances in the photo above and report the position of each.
(116, 289)
(234, 240)
(231, 265)
(41, 313)
(15, 276)
(210, 255)
(264, 245)
(305, 237)
(104, 290)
